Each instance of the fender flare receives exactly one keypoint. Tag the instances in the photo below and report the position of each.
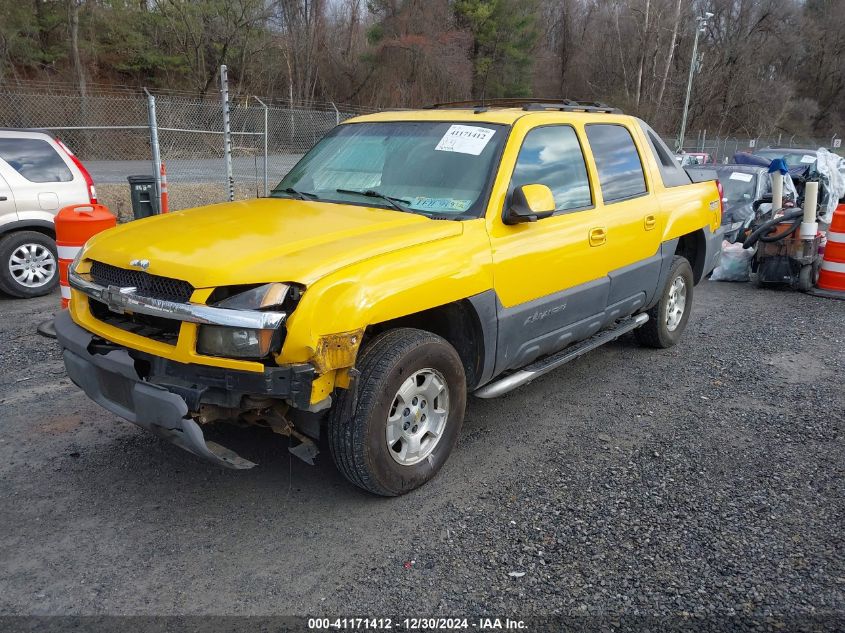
(42, 226)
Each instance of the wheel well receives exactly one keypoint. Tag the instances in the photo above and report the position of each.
(458, 323)
(693, 247)
(38, 228)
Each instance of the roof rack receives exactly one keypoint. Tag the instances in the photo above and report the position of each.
(564, 105)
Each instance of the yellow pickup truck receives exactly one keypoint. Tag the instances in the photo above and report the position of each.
(408, 259)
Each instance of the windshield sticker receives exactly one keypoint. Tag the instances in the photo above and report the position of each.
(808, 158)
(465, 139)
(738, 175)
(440, 204)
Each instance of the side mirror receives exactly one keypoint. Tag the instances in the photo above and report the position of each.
(529, 203)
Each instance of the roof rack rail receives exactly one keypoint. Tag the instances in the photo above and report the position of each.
(528, 104)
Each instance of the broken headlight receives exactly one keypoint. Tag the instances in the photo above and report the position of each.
(258, 298)
(235, 342)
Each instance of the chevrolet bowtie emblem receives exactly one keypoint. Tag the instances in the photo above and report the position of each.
(143, 264)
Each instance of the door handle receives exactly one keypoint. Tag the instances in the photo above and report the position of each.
(598, 236)
(650, 221)
(3, 198)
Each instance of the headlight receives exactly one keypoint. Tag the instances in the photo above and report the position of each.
(266, 296)
(76, 260)
(232, 342)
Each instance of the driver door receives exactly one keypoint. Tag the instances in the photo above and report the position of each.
(548, 274)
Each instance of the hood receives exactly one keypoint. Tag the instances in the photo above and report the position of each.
(263, 240)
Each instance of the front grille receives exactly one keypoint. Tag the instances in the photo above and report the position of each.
(147, 285)
(156, 328)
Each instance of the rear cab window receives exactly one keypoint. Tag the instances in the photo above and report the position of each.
(551, 155)
(34, 159)
(620, 170)
(672, 174)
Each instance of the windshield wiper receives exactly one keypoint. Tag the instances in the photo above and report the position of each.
(396, 203)
(300, 195)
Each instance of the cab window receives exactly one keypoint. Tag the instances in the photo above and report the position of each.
(617, 161)
(671, 172)
(552, 156)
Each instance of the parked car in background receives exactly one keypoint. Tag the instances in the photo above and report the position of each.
(686, 159)
(803, 166)
(793, 156)
(744, 187)
(38, 176)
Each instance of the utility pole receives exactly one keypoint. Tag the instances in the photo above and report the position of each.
(227, 132)
(266, 134)
(154, 146)
(700, 23)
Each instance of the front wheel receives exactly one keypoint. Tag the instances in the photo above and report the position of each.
(409, 412)
(28, 264)
(669, 317)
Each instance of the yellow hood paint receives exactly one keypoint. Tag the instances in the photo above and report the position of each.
(265, 240)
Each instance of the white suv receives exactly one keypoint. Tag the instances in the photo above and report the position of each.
(38, 176)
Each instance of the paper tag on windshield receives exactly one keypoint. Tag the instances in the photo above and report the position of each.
(738, 175)
(440, 204)
(465, 139)
(808, 158)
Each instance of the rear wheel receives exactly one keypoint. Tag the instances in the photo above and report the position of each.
(28, 264)
(409, 412)
(668, 319)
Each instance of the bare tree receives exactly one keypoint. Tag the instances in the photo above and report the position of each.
(670, 55)
(73, 7)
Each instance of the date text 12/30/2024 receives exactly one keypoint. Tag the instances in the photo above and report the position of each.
(415, 624)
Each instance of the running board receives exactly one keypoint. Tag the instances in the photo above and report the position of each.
(549, 363)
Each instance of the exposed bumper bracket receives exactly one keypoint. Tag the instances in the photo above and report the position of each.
(112, 382)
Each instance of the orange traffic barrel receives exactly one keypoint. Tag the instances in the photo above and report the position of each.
(832, 273)
(74, 226)
(165, 205)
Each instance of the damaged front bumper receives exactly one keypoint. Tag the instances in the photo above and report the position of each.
(155, 393)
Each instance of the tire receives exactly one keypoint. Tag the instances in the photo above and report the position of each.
(29, 264)
(359, 443)
(658, 332)
(807, 277)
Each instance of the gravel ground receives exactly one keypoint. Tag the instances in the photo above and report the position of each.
(704, 480)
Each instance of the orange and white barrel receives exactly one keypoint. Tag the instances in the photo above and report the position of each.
(165, 204)
(832, 274)
(74, 226)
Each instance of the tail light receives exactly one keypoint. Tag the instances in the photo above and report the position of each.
(721, 199)
(89, 182)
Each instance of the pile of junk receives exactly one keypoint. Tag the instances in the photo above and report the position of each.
(776, 217)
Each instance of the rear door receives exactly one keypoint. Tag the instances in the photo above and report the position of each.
(631, 219)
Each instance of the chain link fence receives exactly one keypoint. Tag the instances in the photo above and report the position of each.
(723, 149)
(111, 130)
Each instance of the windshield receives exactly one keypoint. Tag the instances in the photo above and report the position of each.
(738, 186)
(432, 168)
(792, 159)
